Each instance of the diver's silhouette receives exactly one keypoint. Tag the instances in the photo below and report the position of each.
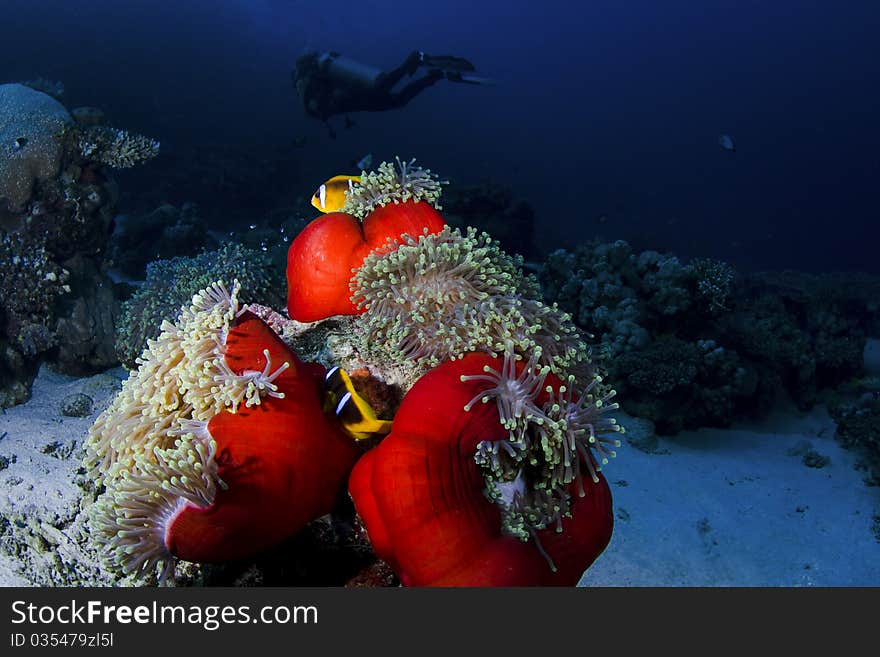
(330, 84)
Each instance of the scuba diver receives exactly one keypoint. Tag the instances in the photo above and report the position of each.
(330, 84)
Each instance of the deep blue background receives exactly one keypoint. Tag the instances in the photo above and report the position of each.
(611, 108)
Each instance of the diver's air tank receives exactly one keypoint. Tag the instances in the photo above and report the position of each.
(348, 71)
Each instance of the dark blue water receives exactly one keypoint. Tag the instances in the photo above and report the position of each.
(612, 108)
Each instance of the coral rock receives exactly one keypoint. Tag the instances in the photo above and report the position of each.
(30, 150)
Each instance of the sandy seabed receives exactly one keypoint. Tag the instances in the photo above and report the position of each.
(739, 507)
(714, 507)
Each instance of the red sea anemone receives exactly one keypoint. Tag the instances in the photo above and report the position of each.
(217, 447)
(323, 256)
(463, 493)
(282, 462)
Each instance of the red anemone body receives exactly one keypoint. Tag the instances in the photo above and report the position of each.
(283, 462)
(321, 258)
(420, 496)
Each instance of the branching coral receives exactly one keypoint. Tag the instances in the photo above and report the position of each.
(714, 281)
(440, 296)
(390, 184)
(114, 147)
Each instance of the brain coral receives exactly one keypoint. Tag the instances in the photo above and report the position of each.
(30, 151)
(30, 121)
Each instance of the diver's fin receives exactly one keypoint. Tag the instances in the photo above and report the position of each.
(454, 76)
(446, 62)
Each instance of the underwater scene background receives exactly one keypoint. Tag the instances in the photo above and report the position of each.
(668, 206)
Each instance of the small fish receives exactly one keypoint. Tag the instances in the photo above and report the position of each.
(20, 142)
(330, 197)
(355, 414)
(365, 162)
(726, 142)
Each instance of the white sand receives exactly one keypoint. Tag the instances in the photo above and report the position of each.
(734, 508)
(41, 529)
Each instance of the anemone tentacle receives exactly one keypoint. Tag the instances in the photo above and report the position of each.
(151, 448)
(439, 296)
(528, 475)
(390, 184)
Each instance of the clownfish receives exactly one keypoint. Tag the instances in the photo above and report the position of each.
(355, 414)
(330, 197)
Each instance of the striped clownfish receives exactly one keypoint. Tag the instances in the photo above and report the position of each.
(355, 414)
(330, 197)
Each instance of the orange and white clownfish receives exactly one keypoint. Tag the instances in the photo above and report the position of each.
(330, 196)
(354, 412)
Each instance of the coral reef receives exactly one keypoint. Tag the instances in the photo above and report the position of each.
(858, 428)
(234, 184)
(86, 327)
(651, 315)
(692, 344)
(30, 284)
(714, 282)
(170, 283)
(805, 333)
(680, 384)
(56, 214)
